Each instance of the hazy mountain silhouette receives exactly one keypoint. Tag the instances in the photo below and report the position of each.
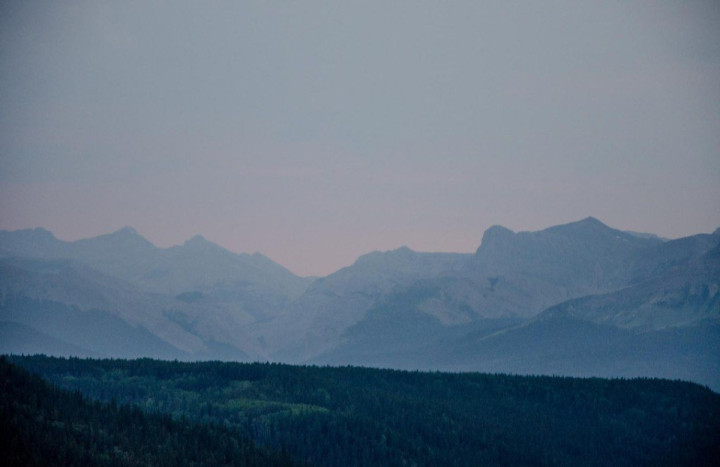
(580, 298)
(126, 275)
(127, 255)
(624, 305)
(315, 322)
(666, 325)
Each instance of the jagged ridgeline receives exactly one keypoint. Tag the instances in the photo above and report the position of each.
(580, 299)
(346, 416)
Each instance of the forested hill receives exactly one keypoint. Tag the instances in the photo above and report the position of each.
(41, 425)
(360, 416)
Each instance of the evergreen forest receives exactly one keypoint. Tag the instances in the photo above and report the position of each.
(151, 412)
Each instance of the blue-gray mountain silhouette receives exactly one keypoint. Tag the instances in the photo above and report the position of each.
(577, 299)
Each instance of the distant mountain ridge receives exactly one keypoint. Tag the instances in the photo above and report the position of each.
(590, 252)
(128, 276)
(498, 309)
(129, 256)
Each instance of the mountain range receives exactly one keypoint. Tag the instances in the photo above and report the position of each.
(579, 299)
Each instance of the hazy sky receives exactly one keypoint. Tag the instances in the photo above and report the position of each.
(317, 131)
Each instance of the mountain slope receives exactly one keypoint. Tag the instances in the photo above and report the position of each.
(677, 295)
(75, 286)
(196, 265)
(199, 297)
(571, 347)
(315, 321)
(580, 298)
(667, 325)
(511, 277)
(586, 255)
(16, 338)
(73, 303)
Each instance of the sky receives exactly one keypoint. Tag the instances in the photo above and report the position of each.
(315, 132)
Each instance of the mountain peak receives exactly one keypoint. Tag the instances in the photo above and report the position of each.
(127, 237)
(591, 221)
(496, 233)
(197, 240)
(377, 258)
(200, 243)
(33, 243)
(126, 231)
(42, 231)
(37, 233)
(403, 250)
(498, 230)
(589, 225)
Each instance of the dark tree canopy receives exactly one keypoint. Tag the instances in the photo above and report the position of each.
(360, 416)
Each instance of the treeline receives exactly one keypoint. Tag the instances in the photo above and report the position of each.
(44, 425)
(360, 416)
